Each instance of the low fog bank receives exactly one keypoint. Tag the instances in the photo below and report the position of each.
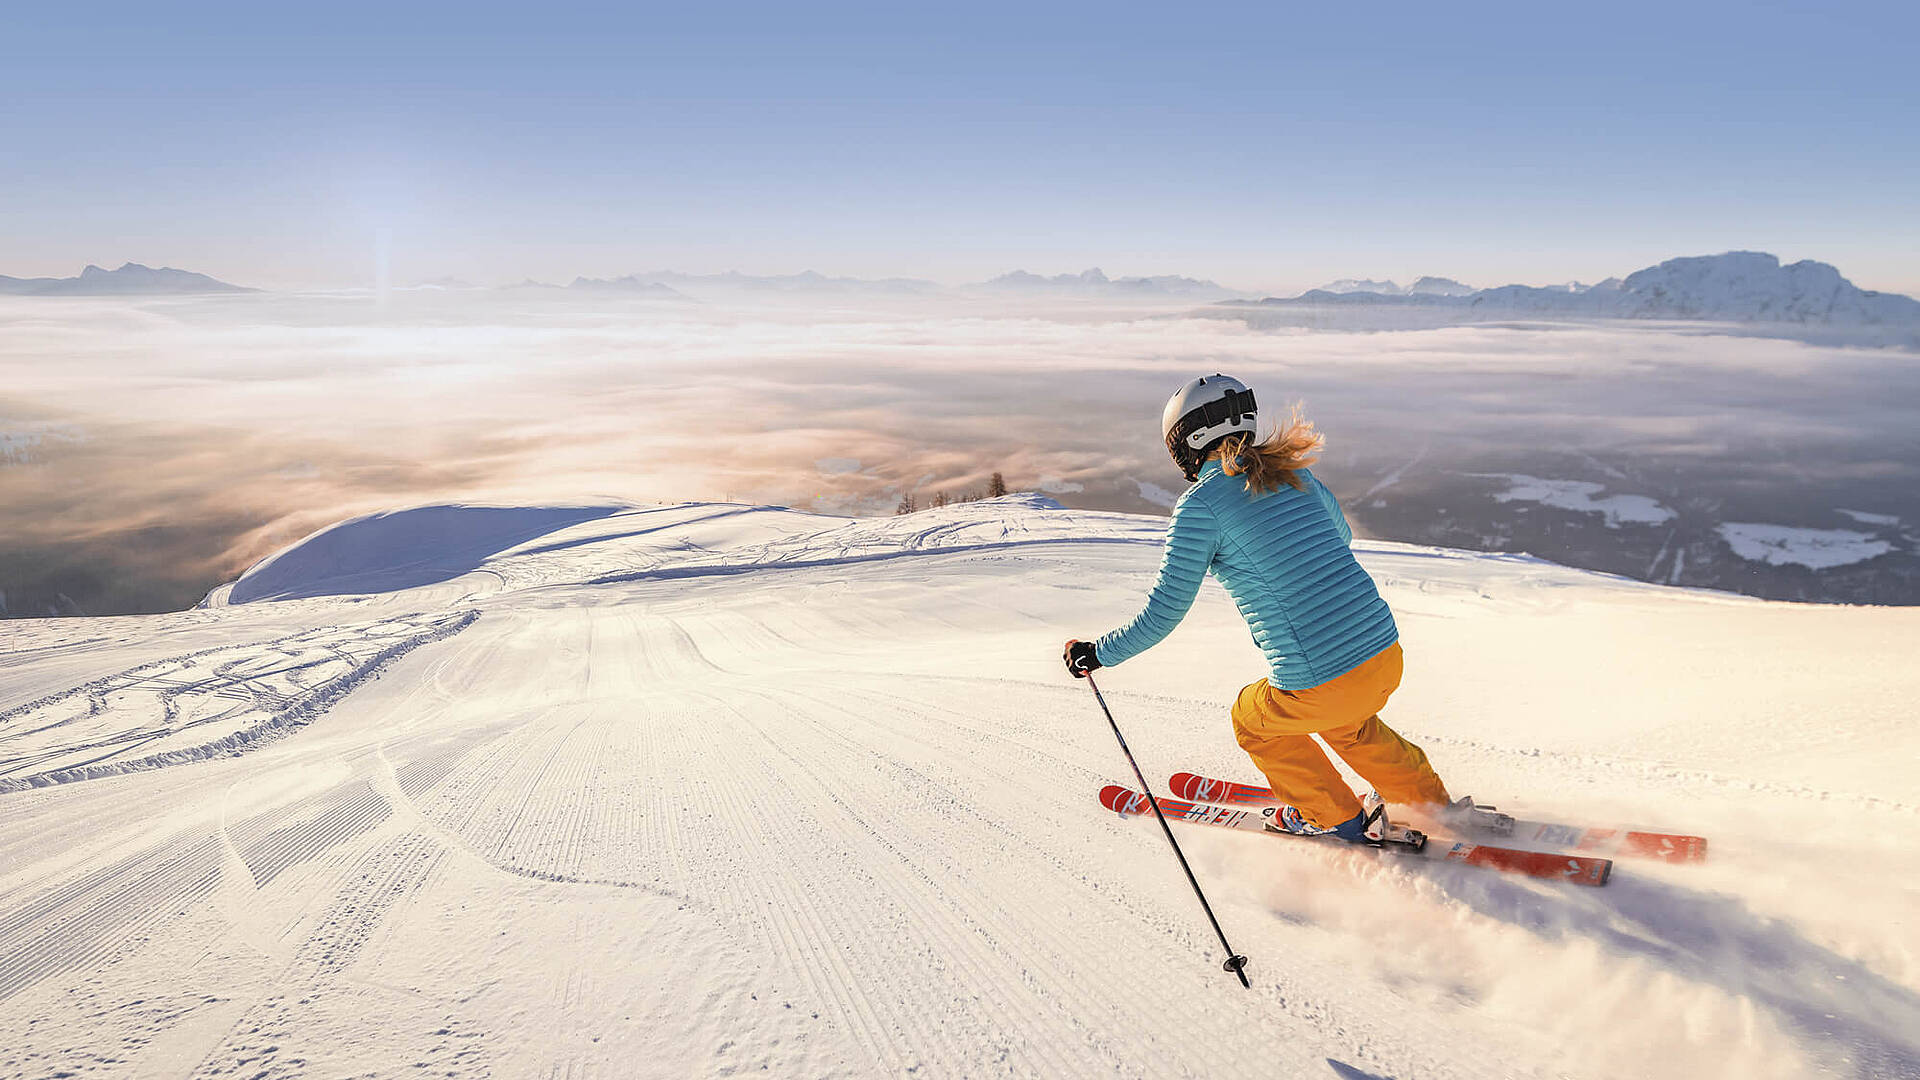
(150, 450)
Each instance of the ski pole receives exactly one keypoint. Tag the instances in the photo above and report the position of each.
(1235, 962)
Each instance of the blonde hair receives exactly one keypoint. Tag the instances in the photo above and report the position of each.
(1275, 460)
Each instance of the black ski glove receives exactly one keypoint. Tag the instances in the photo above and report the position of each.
(1080, 658)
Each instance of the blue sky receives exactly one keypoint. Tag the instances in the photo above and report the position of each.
(1268, 146)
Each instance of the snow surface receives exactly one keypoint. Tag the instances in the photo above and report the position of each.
(710, 789)
(1818, 549)
(1581, 495)
(1865, 518)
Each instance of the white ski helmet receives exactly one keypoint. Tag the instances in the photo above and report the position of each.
(1200, 414)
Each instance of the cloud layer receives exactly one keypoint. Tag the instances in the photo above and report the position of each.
(198, 435)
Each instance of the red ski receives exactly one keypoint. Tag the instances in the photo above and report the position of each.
(1573, 869)
(1666, 847)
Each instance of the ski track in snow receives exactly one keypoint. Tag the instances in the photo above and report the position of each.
(714, 790)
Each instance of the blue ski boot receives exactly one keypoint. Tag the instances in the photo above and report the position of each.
(1369, 826)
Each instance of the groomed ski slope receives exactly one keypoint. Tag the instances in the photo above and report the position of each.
(705, 790)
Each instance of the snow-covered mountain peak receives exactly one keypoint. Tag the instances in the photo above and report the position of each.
(1361, 285)
(1736, 286)
(1439, 286)
(1748, 285)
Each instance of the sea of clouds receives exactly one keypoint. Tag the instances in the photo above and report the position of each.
(158, 447)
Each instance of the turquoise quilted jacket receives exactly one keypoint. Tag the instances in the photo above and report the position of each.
(1284, 558)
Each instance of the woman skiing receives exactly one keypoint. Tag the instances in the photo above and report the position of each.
(1272, 534)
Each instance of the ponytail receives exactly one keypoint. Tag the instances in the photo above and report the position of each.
(1275, 460)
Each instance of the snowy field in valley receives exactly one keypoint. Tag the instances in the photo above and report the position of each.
(1814, 548)
(713, 789)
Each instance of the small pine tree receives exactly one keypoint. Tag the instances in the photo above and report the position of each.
(939, 499)
(996, 486)
(906, 504)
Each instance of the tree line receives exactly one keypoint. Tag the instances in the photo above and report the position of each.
(996, 487)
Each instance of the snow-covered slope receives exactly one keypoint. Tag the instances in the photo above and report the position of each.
(709, 789)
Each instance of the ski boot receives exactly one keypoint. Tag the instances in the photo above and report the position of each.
(1370, 826)
(1289, 819)
(1378, 830)
(1353, 830)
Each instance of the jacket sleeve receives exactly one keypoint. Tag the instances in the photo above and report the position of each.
(1193, 536)
(1333, 509)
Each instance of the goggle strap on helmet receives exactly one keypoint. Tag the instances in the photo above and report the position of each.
(1228, 408)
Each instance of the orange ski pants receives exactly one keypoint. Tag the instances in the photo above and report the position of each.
(1275, 727)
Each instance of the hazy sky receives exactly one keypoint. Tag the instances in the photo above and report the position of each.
(1266, 145)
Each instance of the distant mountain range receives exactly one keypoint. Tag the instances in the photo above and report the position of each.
(1095, 283)
(667, 284)
(131, 279)
(631, 285)
(1426, 286)
(1738, 286)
